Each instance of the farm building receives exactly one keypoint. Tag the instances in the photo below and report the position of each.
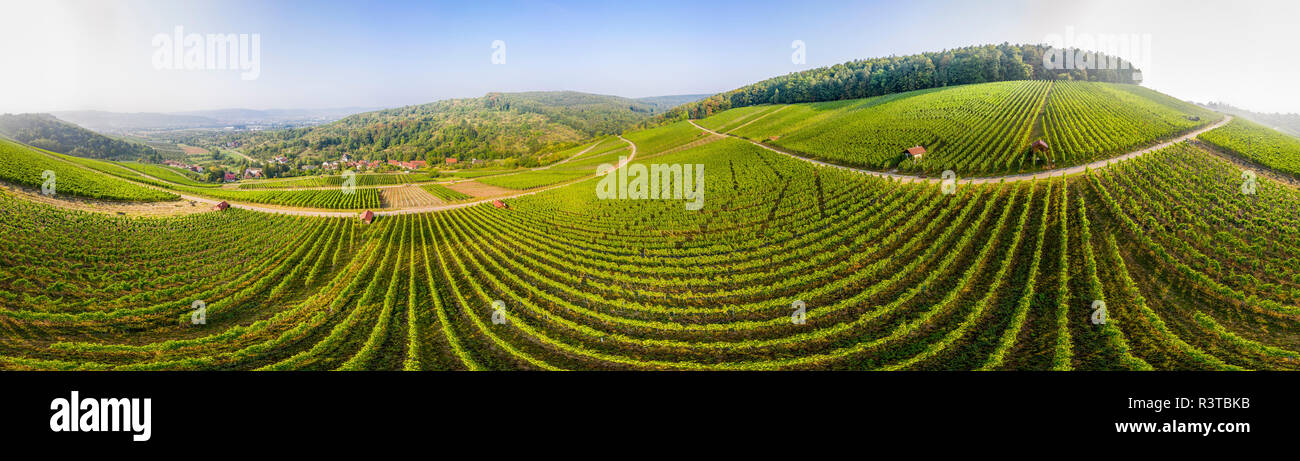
(915, 152)
(368, 217)
(500, 204)
(221, 206)
(1040, 146)
(451, 161)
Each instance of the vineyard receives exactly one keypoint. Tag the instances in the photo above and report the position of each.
(336, 199)
(788, 266)
(362, 180)
(26, 166)
(607, 152)
(1256, 142)
(444, 193)
(981, 129)
(165, 173)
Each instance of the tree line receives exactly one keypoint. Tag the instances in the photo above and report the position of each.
(896, 74)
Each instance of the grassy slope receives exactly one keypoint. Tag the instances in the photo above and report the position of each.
(1259, 143)
(972, 129)
(26, 166)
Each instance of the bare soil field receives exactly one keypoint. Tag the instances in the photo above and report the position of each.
(478, 189)
(408, 196)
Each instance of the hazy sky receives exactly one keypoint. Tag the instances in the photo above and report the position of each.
(72, 55)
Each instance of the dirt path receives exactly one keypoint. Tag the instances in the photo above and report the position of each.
(989, 179)
(561, 162)
(172, 208)
(755, 118)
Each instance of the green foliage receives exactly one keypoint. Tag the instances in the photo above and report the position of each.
(1258, 143)
(971, 129)
(362, 180)
(336, 199)
(444, 193)
(897, 74)
(49, 133)
(495, 126)
(26, 166)
(1195, 274)
(167, 173)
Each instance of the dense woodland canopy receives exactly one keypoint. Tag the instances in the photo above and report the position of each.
(49, 133)
(896, 74)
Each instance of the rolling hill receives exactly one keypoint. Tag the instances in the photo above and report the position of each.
(119, 122)
(48, 132)
(1162, 261)
(977, 129)
(497, 125)
(897, 74)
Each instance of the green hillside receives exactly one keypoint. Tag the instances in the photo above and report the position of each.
(27, 166)
(1258, 143)
(498, 125)
(49, 133)
(971, 129)
(897, 74)
(889, 276)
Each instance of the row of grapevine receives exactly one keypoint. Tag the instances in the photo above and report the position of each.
(361, 180)
(788, 266)
(28, 166)
(981, 129)
(1258, 143)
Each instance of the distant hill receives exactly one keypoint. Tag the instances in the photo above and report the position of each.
(497, 125)
(897, 74)
(119, 122)
(272, 116)
(49, 133)
(1286, 123)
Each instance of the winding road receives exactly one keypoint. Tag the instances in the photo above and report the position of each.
(988, 179)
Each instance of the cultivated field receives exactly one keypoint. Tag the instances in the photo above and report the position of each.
(1171, 259)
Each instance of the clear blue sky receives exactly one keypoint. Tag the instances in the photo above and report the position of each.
(96, 54)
